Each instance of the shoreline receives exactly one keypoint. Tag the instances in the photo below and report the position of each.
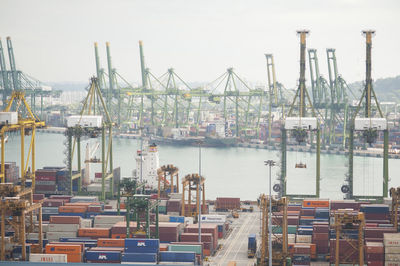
(361, 153)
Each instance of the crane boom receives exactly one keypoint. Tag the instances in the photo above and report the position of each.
(12, 64)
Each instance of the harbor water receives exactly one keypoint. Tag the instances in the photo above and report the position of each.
(233, 172)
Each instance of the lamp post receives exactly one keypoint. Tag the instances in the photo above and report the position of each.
(200, 190)
(270, 163)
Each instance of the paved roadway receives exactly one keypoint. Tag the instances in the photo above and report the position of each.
(234, 247)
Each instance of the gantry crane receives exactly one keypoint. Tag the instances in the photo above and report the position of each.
(25, 122)
(93, 120)
(137, 205)
(16, 205)
(394, 213)
(369, 126)
(279, 239)
(193, 182)
(345, 220)
(300, 125)
(162, 173)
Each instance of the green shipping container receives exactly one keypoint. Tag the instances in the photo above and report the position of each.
(292, 229)
(191, 248)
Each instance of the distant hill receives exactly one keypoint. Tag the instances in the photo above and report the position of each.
(386, 89)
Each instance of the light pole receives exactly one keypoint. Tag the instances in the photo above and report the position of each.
(200, 190)
(270, 163)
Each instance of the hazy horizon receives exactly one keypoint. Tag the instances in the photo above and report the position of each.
(53, 40)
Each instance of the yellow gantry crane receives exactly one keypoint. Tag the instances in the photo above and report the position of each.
(163, 172)
(349, 220)
(15, 205)
(193, 182)
(18, 116)
(279, 239)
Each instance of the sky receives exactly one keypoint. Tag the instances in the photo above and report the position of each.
(53, 39)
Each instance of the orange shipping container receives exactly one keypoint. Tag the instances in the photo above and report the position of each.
(94, 232)
(82, 245)
(110, 242)
(313, 248)
(320, 203)
(232, 263)
(63, 249)
(72, 209)
(80, 203)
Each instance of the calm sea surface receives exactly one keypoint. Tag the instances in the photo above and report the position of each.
(235, 172)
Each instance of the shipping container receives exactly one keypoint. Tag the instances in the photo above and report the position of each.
(139, 257)
(52, 258)
(177, 256)
(109, 242)
(141, 245)
(94, 232)
(103, 256)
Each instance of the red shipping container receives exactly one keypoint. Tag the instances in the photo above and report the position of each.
(227, 203)
(65, 219)
(64, 197)
(378, 263)
(94, 208)
(377, 232)
(347, 252)
(205, 228)
(38, 196)
(120, 228)
(373, 247)
(94, 232)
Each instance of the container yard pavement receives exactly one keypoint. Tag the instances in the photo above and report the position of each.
(234, 247)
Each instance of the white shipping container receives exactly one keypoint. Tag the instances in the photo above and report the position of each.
(48, 258)
(213, 218)
(303, 239)
(32, 236)
(175, 196)
(85, 121)
(389, 249)
(367, 123)
(163, 218)
(291, 238)
(84, 199)
(103, 225)
(392, 263)
(45, 228)
(58, 235)
(392, 257)
(86, 223)
(173, 213)
(391, 239)
(108, 219)
(63, 227)
(9, 118)
(188, 220)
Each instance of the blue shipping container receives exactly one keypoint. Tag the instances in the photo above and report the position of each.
(301, 259)
(374, 208)
(177, 256)
(139, 257)
(113, 256)
(141, 245)
(176, 219)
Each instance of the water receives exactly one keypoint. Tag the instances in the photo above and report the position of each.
(234, 172)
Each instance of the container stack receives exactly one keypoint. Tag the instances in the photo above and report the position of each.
(177, 257)
(140, 250)
(227, 204)
(205, 229)
(168, 231)
(11, 172)
(73, 252)
(301, 254)
(174, 207)
(320, 237)
(45, 181)
(374, 254)
(376, 214)
(118, 230)
(219, 220)
(62, 226)
(107, 221)
(51, 258)
(392, 249)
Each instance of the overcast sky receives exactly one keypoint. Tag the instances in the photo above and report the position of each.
(53, 39)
